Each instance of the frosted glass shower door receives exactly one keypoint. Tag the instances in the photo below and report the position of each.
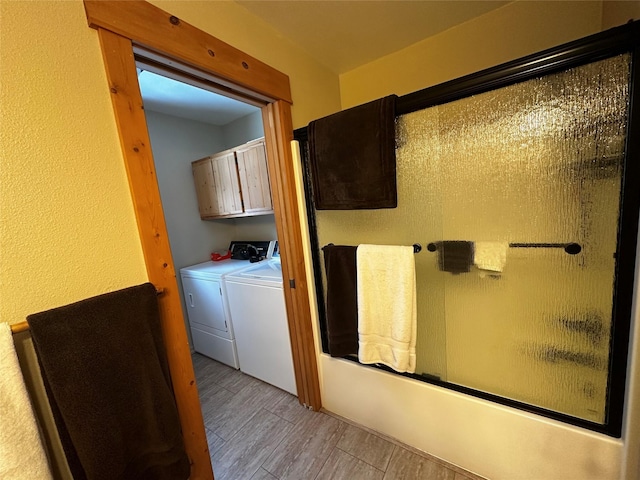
(526, 169)
(417, 218)
(539, 162)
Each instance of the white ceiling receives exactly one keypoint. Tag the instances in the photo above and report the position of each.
(340, 34)
(164, 95)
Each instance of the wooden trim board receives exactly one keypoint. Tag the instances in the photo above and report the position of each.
(123, 26)
(150, 27)
(136, 148)
(278, 136)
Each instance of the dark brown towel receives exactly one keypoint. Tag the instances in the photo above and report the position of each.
(353, 158)
(107, 378)
(342, 299)
(455, 256)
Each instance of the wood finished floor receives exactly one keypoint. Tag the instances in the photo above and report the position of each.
(258, 432)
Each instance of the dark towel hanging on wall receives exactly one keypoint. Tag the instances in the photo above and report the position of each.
(105, 370)
(342, 299)
(353, 158)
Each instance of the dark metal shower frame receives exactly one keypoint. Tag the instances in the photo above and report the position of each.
(616, 41)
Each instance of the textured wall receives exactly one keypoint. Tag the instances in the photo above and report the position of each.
(67, 227)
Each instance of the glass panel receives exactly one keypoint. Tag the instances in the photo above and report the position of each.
(534, 163)
(413, 221)
(537, 162)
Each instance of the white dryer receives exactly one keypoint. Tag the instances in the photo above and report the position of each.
(256, 303)
(206, 301)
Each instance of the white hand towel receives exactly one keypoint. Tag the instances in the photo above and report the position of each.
(387, 317)
(490, 256)
(21, 453)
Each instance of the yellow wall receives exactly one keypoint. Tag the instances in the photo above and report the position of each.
(510, 32)
(67, 226)
(617, 12)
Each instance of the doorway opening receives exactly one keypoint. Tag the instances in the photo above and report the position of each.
(123, 28)
(209, 158)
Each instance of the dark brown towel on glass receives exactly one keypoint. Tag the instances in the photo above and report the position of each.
(353, 157)
(107, 378)
(455, 256)
(342, 299)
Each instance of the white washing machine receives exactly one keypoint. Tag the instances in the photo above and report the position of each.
(256, 303)
(206, 300)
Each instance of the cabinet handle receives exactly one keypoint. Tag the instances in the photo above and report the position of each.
(191, 300)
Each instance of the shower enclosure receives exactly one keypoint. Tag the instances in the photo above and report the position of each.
(536, 161)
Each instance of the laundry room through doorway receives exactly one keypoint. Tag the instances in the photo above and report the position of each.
(213, 178)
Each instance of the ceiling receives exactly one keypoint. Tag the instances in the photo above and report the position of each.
(171, 97)
(340, 34)
(344, 34)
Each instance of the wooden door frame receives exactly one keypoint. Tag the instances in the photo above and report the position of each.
(123, 26)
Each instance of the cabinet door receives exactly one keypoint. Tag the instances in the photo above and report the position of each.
(227, 188)
(204, 303)
(205, 189)
(254, 177)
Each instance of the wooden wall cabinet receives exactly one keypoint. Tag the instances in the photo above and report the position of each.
(233, 183)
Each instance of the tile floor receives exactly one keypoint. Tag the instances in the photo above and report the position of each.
(259, 432)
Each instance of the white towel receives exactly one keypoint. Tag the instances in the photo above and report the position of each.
(387, 317)
(21, 453)
(490, 256)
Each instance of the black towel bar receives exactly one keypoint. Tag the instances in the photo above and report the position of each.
(417, 248)
(570, 248)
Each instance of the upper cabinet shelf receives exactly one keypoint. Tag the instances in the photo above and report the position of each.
(233, 183)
